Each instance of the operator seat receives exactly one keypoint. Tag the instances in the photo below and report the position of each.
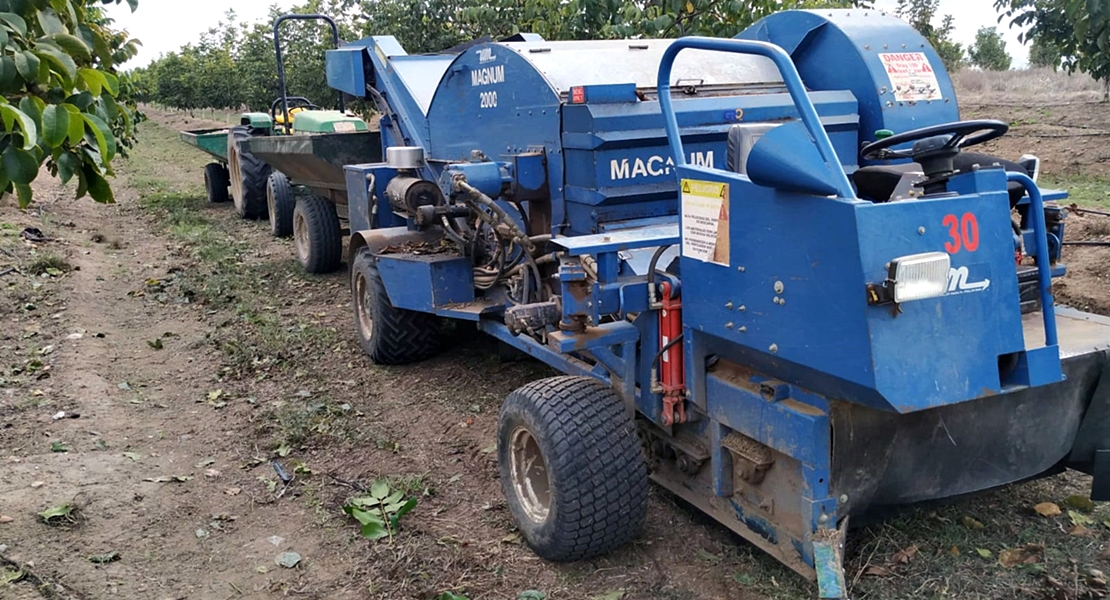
(878, 182)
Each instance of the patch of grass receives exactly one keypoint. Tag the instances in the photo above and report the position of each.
(1084, 190)
(49, 263)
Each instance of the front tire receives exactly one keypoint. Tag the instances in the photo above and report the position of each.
(388, 335)
(316, 235)
(248, 175)
(281, 204)
(572, 468)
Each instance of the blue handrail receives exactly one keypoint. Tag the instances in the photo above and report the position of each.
(790, 77)
(1044, 270)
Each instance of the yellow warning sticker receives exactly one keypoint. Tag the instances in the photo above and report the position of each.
(705, 209)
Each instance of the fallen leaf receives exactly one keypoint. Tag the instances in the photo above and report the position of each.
(156, 344)
(201, 534)
(284, 450)
(708, 557)
(288, 559)
(1047, 509)
(1080, 502)
(124, 386)
(877, 571)
(905, 555)
(101, 559)
(984, 552)
(58, 447)
(169, 478)
(1080, 531)
(1078, 518)
(512, 538)
(954, 550)
(532, 595)
(8, 575)
(614, 595)
(134, 456)
(1027, 555)
(211, 473)
(743, 579)
(6, 519)
(262, 569)
(972, 523)
(215, 395)
(38, 484)
(205, 463)
(233, 491)
(489, 449)
(57, 513)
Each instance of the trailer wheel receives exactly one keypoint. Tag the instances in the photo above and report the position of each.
(572, 468)
(316, 234)
(248, 175)
(215, 182)
(280, 203)
(388, 335)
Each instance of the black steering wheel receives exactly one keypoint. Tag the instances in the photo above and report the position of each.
(934, 147)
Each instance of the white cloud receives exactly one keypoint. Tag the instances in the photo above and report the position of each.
(166, 25)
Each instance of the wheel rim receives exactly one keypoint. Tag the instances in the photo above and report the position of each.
(270, 207)
(300, 236)
(235, 173)
(363, 300)
(528, 470)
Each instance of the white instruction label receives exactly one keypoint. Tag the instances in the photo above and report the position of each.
(912, 78)
(705, 221)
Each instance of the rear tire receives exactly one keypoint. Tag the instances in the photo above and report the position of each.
(216, 181)
(280, 203)
(572, 468)
(248, 175)
(316, 234)
(388, 335)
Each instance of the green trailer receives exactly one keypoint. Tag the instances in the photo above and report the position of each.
(213, 142)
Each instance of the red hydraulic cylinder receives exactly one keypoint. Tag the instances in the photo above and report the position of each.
(672, 372)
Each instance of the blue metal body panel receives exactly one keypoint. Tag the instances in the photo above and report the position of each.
(844, 49)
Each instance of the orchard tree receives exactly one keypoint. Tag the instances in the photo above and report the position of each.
(1079, 29)
(989, 51)
(921, 15)
(62, 102)
(1043, 54)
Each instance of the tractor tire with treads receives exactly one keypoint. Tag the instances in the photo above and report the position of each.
(280, 204)
(216, 181)
(572, 468)
(248, 175)
(388, 335)
(317, 236)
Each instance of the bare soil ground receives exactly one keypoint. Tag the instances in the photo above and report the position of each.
(197, 354)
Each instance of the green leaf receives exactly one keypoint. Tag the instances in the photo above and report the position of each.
(134, 456)
(94, 80)
(62, 511)
(55, 125)
(105, 141)
(405, 508)
(101, 559)
(73, 45)
(374, 531)
(111, 83)
(27, 64)
(68, 165)
(99, 188)
(394, 498)
(19, 165)
(30, 108)
(532, 595)
(24, 193)
(14, 22)
(11, 115)
(451, 596)
(58, 447)
(379, 490)
(76, 124)
(983, 552)
(50, 23)
(61, 63)
(8, 73)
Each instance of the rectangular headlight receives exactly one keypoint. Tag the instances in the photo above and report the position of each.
(919, 276)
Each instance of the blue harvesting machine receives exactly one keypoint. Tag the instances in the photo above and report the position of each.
(778, 279)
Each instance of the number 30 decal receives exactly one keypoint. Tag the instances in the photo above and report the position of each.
(964, 232)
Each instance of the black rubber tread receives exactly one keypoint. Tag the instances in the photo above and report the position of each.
(216, 182)
(325, 238)
(398, 336)
(280, 203)
(253, 174)
(599, 477)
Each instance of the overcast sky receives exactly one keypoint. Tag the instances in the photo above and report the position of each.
(165, 25)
